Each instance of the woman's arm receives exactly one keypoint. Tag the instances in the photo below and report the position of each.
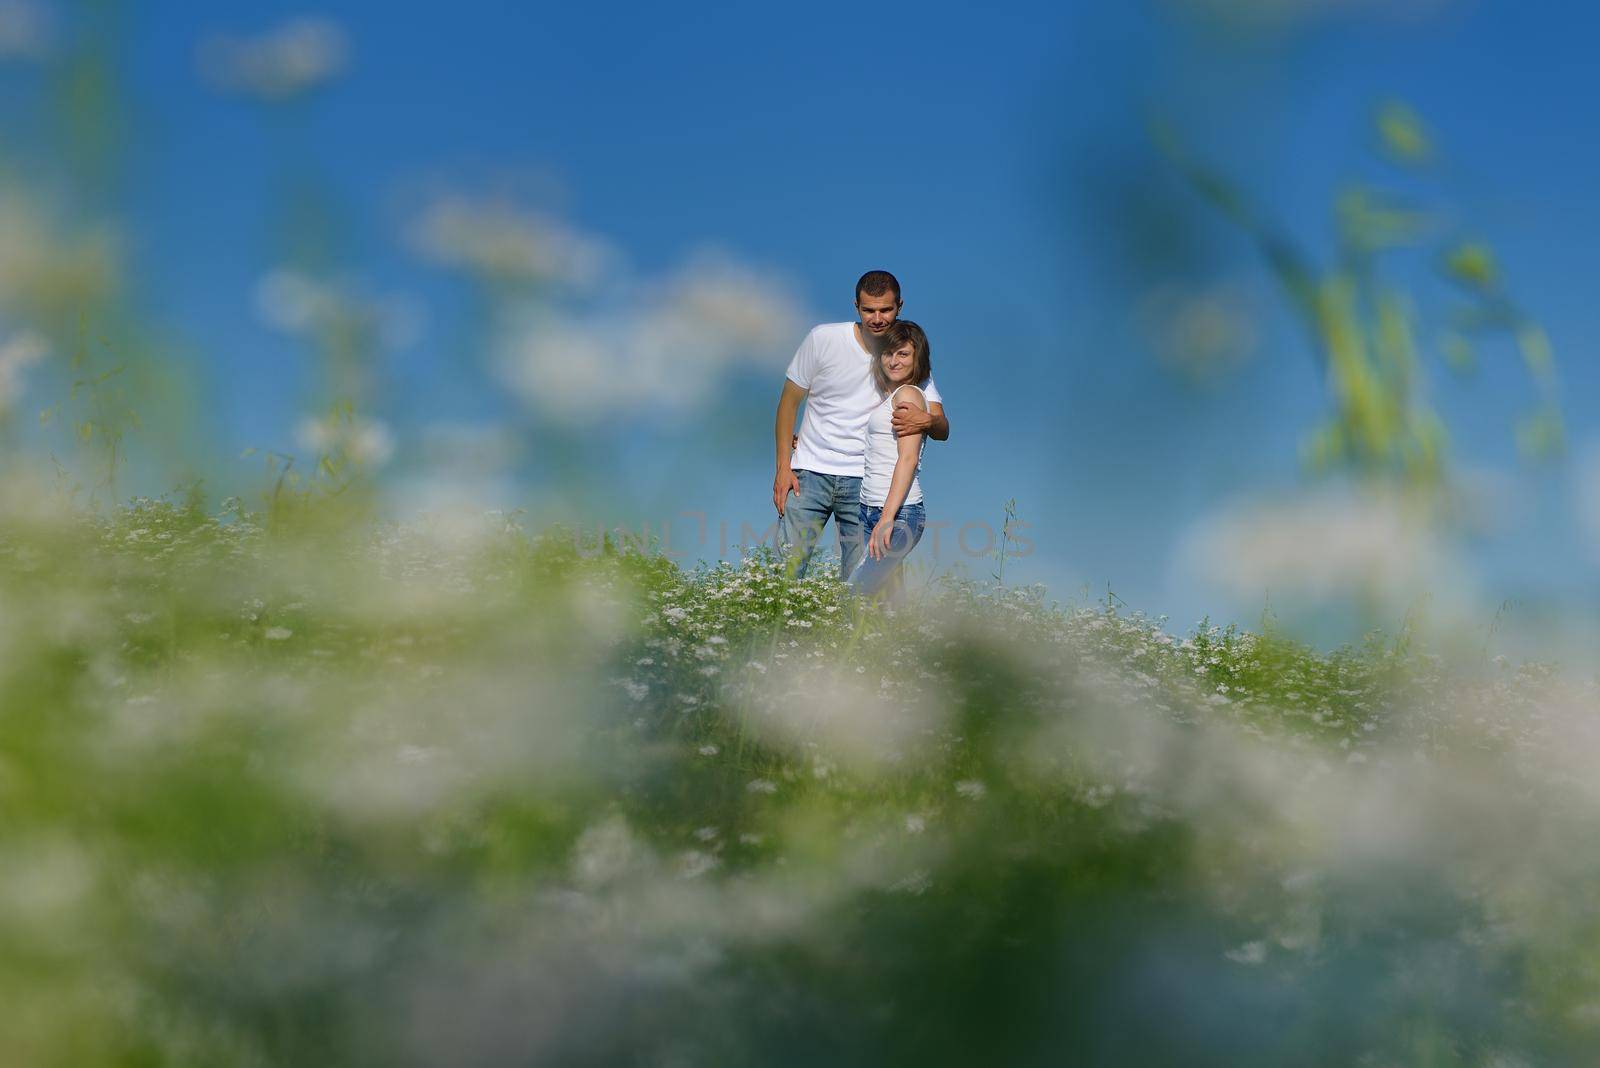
(905, 469)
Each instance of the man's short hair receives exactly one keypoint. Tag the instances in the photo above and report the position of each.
(876, 284)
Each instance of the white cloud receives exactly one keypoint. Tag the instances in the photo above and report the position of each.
(667, 350)
(298, 56)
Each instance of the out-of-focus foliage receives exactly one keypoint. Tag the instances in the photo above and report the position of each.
(1402, 134)
(1364, 325)
(294, 788)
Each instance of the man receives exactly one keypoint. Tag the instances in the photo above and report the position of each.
(832, 373)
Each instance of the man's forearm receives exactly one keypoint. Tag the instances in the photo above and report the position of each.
(939, 429)
(783, 435)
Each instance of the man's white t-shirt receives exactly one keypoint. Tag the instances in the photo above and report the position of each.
(837, 371)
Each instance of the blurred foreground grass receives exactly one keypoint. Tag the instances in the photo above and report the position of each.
(326, 792)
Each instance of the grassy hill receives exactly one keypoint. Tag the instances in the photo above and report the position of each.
(319, 791)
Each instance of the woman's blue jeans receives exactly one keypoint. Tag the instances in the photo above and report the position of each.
(870, 575)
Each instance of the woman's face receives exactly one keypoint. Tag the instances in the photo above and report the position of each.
(898, 362)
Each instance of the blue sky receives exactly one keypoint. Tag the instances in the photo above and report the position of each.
(979, 154)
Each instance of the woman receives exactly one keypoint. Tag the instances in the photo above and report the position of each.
(891, 496)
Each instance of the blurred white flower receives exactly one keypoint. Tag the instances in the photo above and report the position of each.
(302, 305)
(835, 709)
(1200, 332)
(694, 863)
(366, 441)
(608, 851)
(666, 351)
(44, 881)
(916, 883)
(25, 30)
(501, 240)
(1327, 547)
(46, 265)
(16, 355)
(971, 789)
(1249, 953)
(300, 55)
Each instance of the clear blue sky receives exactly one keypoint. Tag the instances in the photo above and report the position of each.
(982, 154)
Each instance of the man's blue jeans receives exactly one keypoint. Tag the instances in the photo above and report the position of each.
(870, 575)
(804, 517)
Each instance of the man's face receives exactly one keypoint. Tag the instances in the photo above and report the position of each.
(877, 313)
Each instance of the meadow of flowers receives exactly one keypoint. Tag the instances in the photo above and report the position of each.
(305, 789)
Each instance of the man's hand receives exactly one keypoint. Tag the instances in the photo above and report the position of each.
(908, 418)
(785, 483)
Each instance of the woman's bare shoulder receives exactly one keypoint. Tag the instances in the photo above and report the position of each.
(909, 394)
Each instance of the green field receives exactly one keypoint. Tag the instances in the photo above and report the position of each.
(304, 789)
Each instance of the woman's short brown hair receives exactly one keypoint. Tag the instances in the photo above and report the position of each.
(901, 331)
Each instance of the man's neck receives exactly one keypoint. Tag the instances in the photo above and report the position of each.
(868, 343)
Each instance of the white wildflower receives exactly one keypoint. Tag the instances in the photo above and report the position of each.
(366, 441)
(916, 884)
(1249, 953)
(694, 863)
(494, 237)
(971, 789)
(296, 57)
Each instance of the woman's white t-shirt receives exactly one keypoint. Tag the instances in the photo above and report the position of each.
(837, 371)
(883, 450)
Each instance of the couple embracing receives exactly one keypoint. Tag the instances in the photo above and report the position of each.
(870, 403)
